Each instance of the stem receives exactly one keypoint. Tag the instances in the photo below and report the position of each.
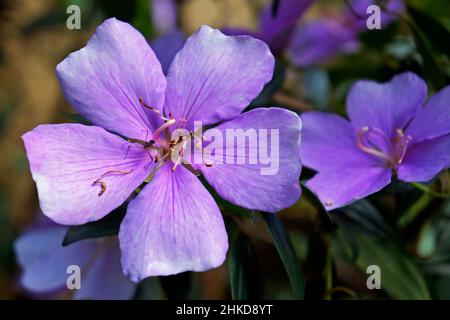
(415, 210)
(328, 273)
(430, 191)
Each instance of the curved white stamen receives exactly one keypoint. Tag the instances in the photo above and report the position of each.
(404, 147)
(157, 139)
(369, 150)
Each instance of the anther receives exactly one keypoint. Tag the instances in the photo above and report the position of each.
(103, 184)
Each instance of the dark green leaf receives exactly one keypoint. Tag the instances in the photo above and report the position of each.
(142, 19)
(244, 271)
(368, 243)
(270, 88)
(287, 254)
(430, 66)
(364, 217)
(107, 226)
(437, 34)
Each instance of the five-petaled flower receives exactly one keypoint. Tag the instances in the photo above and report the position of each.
(84, 172)
(390, 131)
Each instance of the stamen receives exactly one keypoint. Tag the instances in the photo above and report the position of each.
(183, 148)
(368, 150)
(404, 146)
(159, 165)
(156, 137)
(141, 101)
(103, 184)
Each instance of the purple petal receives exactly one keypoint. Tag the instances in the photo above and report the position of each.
(271, 189)
(103, 279)
(433, 120)
(276, 30)
(344, 185)
(317, 41)
(167, 46)
(321, 150)
(425, 160)
(164, 15)
(104, 80)
(214, 77)
(386, 106)
(174, 225)
(44, 260)
(66, 159)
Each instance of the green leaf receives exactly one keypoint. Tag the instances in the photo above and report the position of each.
(142, 19)
(367, 243)
(287, 254)
(430, 66)
(107, 226)
(433, 29)
(244, 272)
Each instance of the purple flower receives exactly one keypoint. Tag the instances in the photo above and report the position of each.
(44, 262)
(276, 30)
(84, 172)
(319, 40)
(391, 131)
(164, 15)
(167, 46)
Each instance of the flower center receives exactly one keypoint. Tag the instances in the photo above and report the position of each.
(165, 145)
(377, 143)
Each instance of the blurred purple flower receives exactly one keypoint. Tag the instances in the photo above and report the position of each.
(84, 172)
(276, 30)
(316, 41)
(44, 262)
(167, 46)
(390, 132)
(164, 15)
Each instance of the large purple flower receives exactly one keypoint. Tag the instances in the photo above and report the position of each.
(390, 131)
(44, 263)
(84, 172)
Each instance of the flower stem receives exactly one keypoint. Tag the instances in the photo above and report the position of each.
(430, 191)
